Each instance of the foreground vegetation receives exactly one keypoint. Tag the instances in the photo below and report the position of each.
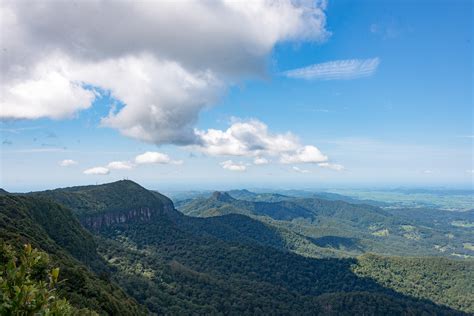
(53, 229)
(28, 286)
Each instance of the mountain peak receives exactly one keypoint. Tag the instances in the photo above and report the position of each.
(222, 196)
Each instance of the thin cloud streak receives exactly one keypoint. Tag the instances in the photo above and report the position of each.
(336, 70)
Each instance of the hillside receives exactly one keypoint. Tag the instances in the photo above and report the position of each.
(102, 205)
(53, 229)
(228, 264)
(423, 277)
(345, 228)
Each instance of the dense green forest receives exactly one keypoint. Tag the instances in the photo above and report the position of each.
(443, 281)
(139, 255)
(342, 228)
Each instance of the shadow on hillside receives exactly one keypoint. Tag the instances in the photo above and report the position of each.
(337, 242)
(213, 263)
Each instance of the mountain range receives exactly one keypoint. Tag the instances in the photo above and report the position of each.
(127, 250)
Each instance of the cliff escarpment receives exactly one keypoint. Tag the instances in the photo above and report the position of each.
(100, 206)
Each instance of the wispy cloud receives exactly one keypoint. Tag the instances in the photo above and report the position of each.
(233, 166)
(36, 150)
(120, 165)
(19, 130)
(153, 157)
(260, 161)
(298, 169)
(336, 70)
(67, 163)
(101, 171)
(332, 166)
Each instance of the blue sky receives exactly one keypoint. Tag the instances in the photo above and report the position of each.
(406, 121)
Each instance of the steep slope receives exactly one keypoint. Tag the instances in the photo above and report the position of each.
(423, 278)
(53, 229)
(103, 205)
(171, 268)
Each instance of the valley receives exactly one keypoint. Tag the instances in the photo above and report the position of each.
(241, 254)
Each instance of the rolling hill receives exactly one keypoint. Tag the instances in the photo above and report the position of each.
(346, 228)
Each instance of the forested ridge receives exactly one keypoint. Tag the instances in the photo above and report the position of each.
(53, 229)
(170, 263)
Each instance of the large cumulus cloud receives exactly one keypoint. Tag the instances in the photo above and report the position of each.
(164, 60)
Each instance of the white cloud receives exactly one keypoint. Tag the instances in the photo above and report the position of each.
(297, 169)
(470, 171)
(233, 166)
(148, 157)
(165, 62)
(246, 138)
(332, 166)
(97, 171)
(427, 171)
(47, 93)
(120, 165)
(306, 154)
(260, 161)
(338, 69)
(153, 157)
(67, 163)
(252, 139)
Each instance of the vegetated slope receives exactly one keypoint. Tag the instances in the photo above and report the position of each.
(353, 228)
(109, 198)
(258, 197)
(221, 203)
(243, 229)
(444, 281)
(172, 268)
(53, 229)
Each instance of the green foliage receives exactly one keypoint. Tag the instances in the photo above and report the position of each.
(54, 229)
(447, 282)
(173, 270)
(29, 287)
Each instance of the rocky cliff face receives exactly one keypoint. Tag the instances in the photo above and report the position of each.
(144, 214)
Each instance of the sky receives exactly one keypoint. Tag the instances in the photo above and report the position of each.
(229, 94)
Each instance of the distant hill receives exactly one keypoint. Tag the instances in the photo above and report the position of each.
(258, 197)
(221, 203)
(364, 228)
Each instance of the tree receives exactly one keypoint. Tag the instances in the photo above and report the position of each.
(28, 285)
